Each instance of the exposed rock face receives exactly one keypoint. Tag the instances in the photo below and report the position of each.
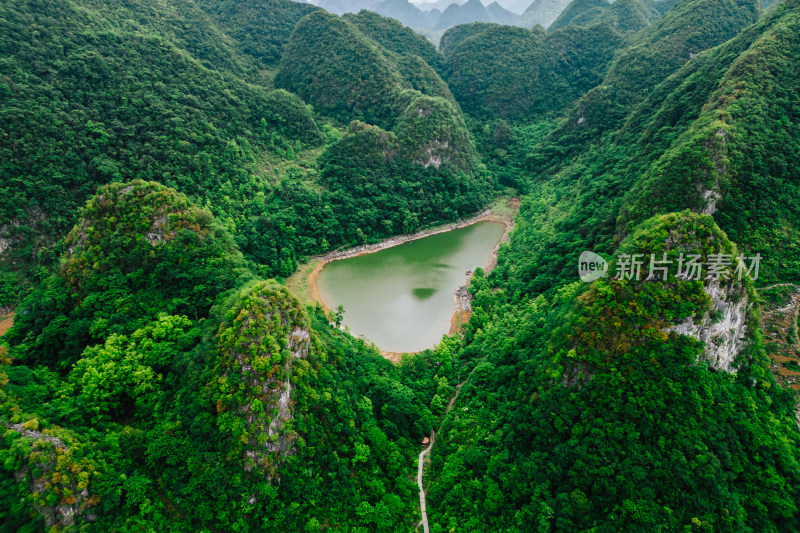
(258, 351)
(723, 329)
(433, 133)
(11, 234)
(718, 153)
(48, 453)
(108, 212)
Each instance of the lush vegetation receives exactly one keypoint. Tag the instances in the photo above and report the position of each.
(156, 387)
(160, 164)
(395, 37)
(101, 93)
(526, 75)
(581, 412)
(624, 16)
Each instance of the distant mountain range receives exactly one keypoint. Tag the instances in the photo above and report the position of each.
(442, 14)
(432, 18)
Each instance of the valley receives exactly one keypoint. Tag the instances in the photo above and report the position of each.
(189, 190)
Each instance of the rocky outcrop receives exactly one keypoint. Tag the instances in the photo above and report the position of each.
(49, 468)
(259, 349)
(723, 329)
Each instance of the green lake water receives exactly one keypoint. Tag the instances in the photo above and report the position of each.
(402, 298)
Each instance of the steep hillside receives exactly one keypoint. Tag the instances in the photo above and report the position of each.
(334, 67)
(343, 73)
(542, 13)
(84, 104)
(395, 37)
(160, 163)
(260, 28)
(101, 92)
(453, 36)
(576, 8)
(739, 160)
(589, 391)
(624, 16)
(248, 407)
(609, 400)
(524, 75)
(654, 53)
(628, 15)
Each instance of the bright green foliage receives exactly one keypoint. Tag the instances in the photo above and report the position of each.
(97, 92)
(172, 419)
(384, 191)
(154, 382)
(84, 103)
(576, 8)
(258, 341)
(654, 53)
(338, 70)
(140, 250)
(742, 154)
(260, 28)
(455, 35)
(623, 16)
(342, 72)
(433, 132)
(395, 37)
(584, 393)
(523, 75)
(590, 189)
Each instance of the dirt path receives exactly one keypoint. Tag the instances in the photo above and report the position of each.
(421, 462)
(776, 285)
(779, 325)
(5, 323)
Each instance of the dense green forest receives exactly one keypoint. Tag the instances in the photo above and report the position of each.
(164, 168)
(126, 100)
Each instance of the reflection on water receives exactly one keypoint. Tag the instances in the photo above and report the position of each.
(402, 297)
(423, 293)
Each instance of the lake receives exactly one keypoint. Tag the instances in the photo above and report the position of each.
(402, 298)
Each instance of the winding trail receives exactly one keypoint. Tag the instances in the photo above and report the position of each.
(421, 462)
(419, 484)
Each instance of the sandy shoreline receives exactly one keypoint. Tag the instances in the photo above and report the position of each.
(461, 314)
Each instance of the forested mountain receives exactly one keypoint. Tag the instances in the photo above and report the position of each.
(137, 407)
(164, 168)
(623, 16)
(653, 54)
(588, 424)
(224, 141)
(576, 8)
(395, 37)
(470, 11)
(501, 15)
(525, 75)
(542, 13)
